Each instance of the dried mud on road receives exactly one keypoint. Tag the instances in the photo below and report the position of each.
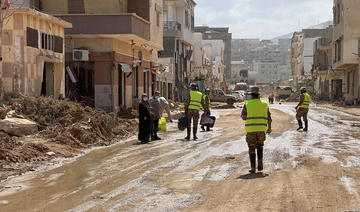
(314, 171)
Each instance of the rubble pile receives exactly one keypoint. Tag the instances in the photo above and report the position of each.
(65, 128)
(295, 97)
(64, 121)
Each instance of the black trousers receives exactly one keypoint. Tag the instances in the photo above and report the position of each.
(154, 125)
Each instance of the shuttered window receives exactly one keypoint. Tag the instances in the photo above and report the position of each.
(58, 44)
(32, 37)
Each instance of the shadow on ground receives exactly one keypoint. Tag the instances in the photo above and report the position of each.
(252, 176)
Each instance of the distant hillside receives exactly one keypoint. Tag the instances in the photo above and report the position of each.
(318, 26)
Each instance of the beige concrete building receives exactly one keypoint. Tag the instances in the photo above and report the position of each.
(296, 57)
(112, 49)
(346, 46)
(178, 21)
(32, 50)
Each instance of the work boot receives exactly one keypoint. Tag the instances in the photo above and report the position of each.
(300, 125)
(194, 134)
(188, 134)
(252, 162)
(203, 128)
(260, 159)
(306, 126)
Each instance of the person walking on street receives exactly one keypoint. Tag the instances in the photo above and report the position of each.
(164, 105)
(192, 108)
(277, 97)
(207, 106)
(144, 119)
(257, 118)
(302, 109)
(271, 98)
(155, 109)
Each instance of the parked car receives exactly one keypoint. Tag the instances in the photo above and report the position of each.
(217, 95)
(239, 95)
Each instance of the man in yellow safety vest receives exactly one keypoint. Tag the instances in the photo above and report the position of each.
(192, 108)
(257, 118)
(302, 109)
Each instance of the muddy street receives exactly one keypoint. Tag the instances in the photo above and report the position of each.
(314, 171)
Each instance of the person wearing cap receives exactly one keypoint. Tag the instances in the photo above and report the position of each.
(165, 106)
(257, 118)
(155, 110)
(192, 108)
(207, 106)
(302, 109)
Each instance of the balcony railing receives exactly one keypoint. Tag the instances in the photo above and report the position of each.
(172, 28)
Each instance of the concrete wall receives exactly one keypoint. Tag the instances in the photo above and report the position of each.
(105, 6)
(55, 7)
(22, 66)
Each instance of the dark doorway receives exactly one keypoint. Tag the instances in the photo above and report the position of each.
(47, 86)
(169, 91)
(122, 86)
(83, 90)
(336, 89)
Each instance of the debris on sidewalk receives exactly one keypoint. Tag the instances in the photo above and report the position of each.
(55, 128)
(3, 112)
(18, 126)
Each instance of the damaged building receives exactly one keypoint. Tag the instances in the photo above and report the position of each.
(32, 51)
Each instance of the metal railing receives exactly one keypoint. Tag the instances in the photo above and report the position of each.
(172, 26)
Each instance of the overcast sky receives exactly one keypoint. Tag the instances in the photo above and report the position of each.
(263, 19)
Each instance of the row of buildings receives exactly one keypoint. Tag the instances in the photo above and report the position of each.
(328, 59)
(258, 61)
(109, 52)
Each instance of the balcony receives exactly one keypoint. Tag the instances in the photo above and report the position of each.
(89, 24)
(172, 29)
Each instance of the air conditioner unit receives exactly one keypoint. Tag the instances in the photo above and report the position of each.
(80, 55)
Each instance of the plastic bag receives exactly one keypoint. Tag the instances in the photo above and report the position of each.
(182, 123)
(206, 120)
(162, 125)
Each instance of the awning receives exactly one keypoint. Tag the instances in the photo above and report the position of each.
(125, 67)
(146, 70)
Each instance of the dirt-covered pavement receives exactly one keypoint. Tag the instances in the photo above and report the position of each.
(314, 171)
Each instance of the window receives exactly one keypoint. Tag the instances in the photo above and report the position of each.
(58, 44)
(47, 41)
(165, 16)
(32, 37)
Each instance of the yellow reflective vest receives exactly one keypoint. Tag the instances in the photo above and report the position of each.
(257, 115)
(195, 100)
(306, 102)
(208, 102)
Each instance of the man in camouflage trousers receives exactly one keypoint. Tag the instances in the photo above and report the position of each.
(257, 118)
(192, 108)
(302, 110)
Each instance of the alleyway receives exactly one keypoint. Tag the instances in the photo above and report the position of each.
(314, 171)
